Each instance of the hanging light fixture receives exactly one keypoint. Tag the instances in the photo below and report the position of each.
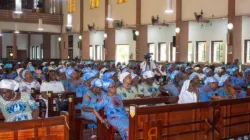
(59, 39)
(105, 35)
(177, 30)
(18, 9)
(230, 26)
(69, 20)
(16, 29)
(137, 33)
(80, 37)
(169, 9)
(40, 25)
(109, 18)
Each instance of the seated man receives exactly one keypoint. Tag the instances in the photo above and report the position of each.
(148, 87)
(210, 91)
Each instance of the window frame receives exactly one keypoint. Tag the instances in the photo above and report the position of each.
(192, 56)
(245, 50)
(159, 51)
(212, 50)
(9, 49)
(91, 52)
(197, 51)
(154, 49)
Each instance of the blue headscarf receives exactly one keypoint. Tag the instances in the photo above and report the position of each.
(44, 69)
(173, 74)
(8, 66)
(210, 80)
(96, 83)
(86, 70)
(30, 68)
(223, 79)
(87, 76)
(169, 67)
(246, 70)
(207, 70)
(233, 70)
(191, 77)
(107, 75)
(133, 75)
(187, 68)
(62, 70)
(69, 71)
(106, 83)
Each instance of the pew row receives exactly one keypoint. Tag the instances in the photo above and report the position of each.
(55, 128)
(108, 134)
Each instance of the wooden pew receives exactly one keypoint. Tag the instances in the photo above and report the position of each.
(198, 121)
(77, 123)
(55, 128)
(51, 106)
(108, 134)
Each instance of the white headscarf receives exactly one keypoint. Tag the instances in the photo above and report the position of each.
(123, 75)
(9, 84)
(148, 74)
(186, 96)
(18, 71)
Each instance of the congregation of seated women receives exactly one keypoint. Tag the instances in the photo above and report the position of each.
(103, 85)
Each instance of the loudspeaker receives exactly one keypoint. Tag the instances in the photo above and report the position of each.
(174, 41)
(134, 36)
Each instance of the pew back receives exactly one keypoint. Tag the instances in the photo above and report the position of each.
(51, 106)
(209, 120)
(55, 128)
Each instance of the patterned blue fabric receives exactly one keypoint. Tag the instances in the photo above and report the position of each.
(69, 71)
(87, 76)
(12, 76)
(107, 75)
(191, 77)
(30, 68)
(116, 114)
(172, 89)
(237, 81)
(206, 92)
(223, 79)
(72, 86)
(106, 83)
(7, 66)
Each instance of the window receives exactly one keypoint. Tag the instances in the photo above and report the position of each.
(94, 4)
(121, 1)
(247, 51)
(201, 51)
(90, 52)
(35, 4)
(70, 53)
(190, 51)
(98, 52)
(174, 54)
(9, 50)
(217, 51)
(33, 52)
(71, 6)
(41, 53)
(152, 49)
(163, 52)
(37, 52)
(122, 54)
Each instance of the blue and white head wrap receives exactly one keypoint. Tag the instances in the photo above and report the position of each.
(30, 68)
(133, 75)
(86, 70)
(87, 76)
(187, 68)
(69, 71)
(191, 77)
(210, 80)
(96, 83)
(45, 69)
(23, 73)
(233, 70)
(62, 70)
(107, 75)
(247, 70)
(173, 74)
(106, 83)
(223, 79)
(207, 70)
(7, 66)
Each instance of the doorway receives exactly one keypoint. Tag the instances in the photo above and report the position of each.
(122, 54)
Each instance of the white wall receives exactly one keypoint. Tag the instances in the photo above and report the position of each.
(245, 33)
(218, 8)
(160, 34)
(125, 36)
(214, 31)
(97, 38)
(55, 50)
(156, 7)
(30, 27)
(22, 42)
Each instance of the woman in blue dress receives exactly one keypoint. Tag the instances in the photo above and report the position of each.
(90, 99)
(227, 90)
(236, 80)
(14, 106)
(9, 73)
(114, 108)
(72, 82)
(173, 88)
